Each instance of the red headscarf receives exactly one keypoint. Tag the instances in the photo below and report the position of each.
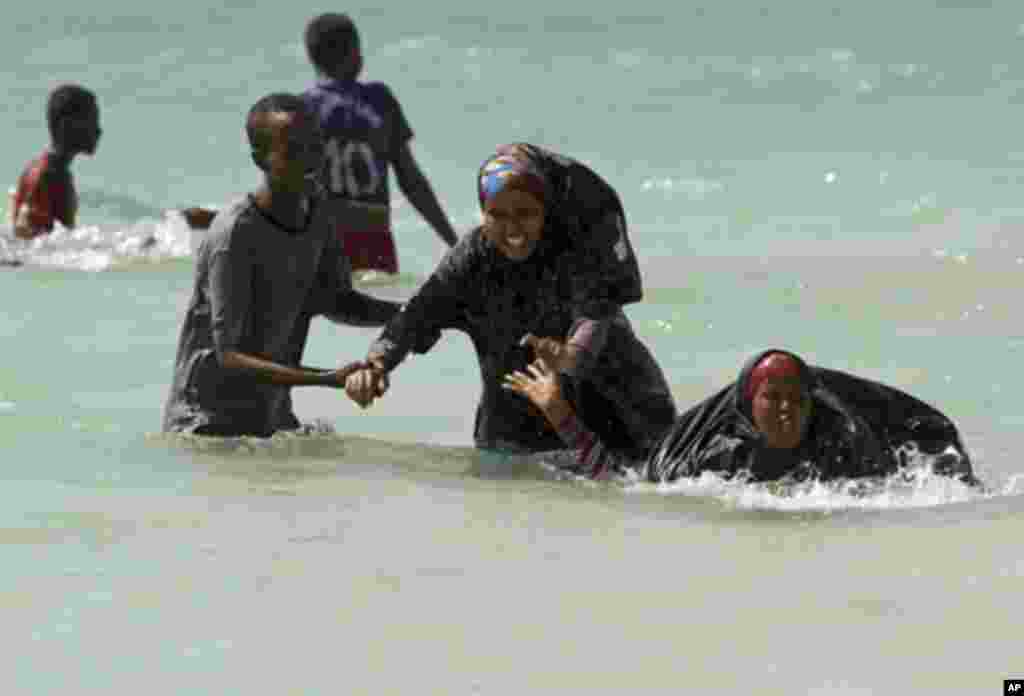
(773, 365)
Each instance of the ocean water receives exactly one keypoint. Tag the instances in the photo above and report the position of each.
(841, 179)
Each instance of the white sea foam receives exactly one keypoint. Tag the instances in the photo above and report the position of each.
(911, 489)
(410, 44)
(103, 247)
(694, 188)
(914, 486)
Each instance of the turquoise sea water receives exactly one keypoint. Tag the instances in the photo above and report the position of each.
(842, 180)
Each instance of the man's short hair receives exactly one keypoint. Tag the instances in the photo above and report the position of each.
(69, 101)
(330, 38)
(278, 102)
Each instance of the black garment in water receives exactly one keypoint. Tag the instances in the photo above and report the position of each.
(858, 428)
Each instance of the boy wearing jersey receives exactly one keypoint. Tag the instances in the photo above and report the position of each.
(366, 133)
(46, 190)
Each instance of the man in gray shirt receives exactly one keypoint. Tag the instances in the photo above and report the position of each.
(269, 264)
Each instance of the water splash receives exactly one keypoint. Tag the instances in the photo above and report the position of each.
(916, 485)
(103, 247)
(911, 488)
(411, 45)
(112, 205)
(315, 439)
(695, 188)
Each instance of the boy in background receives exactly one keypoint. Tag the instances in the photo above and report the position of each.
(46, 190)
(366, 133)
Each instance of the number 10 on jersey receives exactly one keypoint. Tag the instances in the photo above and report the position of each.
(351, 169)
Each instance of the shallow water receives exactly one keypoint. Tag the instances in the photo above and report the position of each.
(841, 181)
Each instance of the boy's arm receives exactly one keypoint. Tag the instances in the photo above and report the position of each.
(271, 372)
(24, 203)
(417, 189)
(22, 223)
(230, 278)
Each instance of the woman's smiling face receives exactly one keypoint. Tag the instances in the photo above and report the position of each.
(781, 409)
(514, 223)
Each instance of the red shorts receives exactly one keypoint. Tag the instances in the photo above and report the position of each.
(370, 250)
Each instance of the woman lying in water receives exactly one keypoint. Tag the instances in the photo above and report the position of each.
(781, 419)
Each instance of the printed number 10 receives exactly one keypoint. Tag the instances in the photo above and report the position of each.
(351, 169)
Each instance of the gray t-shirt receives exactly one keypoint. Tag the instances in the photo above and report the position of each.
(257, 288)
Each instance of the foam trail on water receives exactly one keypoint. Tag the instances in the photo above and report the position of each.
(103, 247)
(914, 487)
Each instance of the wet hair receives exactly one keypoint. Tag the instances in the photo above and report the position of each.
(67, 101)
(330, 38)
(276, 103)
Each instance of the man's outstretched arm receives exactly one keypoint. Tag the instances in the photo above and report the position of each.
(267, 371)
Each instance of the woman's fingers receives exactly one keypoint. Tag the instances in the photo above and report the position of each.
(360, 387)
(542, 345)
(539, 371)
(517, 382)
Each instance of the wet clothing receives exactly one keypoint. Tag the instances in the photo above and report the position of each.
(257, 287)
(584, 222)
(370, 248)
(572, 287)
(365, 129)
(45, 195)
(858, 428)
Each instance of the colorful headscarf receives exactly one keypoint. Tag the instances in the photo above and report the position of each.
(511, 167)
(773, 365)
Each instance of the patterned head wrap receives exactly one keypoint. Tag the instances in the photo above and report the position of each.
(511, 167)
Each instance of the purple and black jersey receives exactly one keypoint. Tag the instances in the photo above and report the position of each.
(365, 129)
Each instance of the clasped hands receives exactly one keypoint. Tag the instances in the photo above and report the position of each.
(367, 383)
